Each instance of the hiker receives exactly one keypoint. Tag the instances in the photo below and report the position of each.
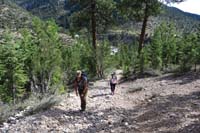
(81, 88)
(113, 82)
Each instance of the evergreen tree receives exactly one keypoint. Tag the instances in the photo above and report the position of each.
(47, 58)
(155, 50)
(127, 57)
(95, 16)
(168, 42)
(13, 76)
(197, 48)
(186, 52)
(140, 10)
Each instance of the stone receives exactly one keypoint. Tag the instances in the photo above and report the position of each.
(20, 115)
(100, 114)
(112, 131)
(126, 124)
(66, 130)
(5, 125)
(163, 83)
(12, 120)
(172, 115)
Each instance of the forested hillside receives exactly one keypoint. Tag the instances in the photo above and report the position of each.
(61, 10)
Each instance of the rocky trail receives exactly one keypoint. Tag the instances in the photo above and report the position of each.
(164, 104)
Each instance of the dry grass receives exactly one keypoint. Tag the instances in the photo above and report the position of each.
(30, 106)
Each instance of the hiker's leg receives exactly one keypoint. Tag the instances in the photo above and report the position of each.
(83, 101)
(80, 95)
(112, 88)
(114, 85)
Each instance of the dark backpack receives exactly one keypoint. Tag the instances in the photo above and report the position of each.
(84, 75)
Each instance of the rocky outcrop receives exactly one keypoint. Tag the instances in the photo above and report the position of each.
(13, 17)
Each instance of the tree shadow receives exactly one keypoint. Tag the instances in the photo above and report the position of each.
(163, 114)
(192, 128)
(182, 78)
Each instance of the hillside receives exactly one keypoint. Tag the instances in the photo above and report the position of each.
(12, 16)
(164, 104)
(60, 9)
(185, 22)
(46, 9)
(124, 32)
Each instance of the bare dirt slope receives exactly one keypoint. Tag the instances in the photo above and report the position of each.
(165, 104)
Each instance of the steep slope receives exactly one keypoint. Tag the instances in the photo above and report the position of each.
(185, 22)
(12, 16)
(46, 9)
(60, 10)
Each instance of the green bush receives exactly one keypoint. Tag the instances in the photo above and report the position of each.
(13, 76)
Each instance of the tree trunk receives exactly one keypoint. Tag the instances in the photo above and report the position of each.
(14, 94)
(93, 19)
(94, 38)
(195, 67)
(142, 38)
(143, 31)
(13, 87)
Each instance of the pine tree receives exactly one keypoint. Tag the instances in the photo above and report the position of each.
(155, 50)
(186, 53)
(13, 76)
(42, 48)
(95, 16)
(47, 58)
(168, 42)
(127, 57)
(140, 10)
(197, 48)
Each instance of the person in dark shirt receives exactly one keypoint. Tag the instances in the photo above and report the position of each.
(81, 88)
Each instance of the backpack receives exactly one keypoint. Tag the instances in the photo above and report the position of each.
(84, 75)
(113, 80)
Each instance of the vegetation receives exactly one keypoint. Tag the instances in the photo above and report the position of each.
(95, 16)
(30, 62)
(38, 62)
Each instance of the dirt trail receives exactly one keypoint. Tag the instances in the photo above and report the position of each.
(163, 104)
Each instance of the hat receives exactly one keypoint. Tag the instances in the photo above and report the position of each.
(78, 72)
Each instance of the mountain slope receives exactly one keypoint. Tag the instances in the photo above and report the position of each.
(185, 22)
(12, 16)
(60, 10)
(46, 9)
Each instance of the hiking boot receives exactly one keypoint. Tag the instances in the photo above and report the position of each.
(82, 110)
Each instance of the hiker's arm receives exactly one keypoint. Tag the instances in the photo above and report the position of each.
(75, 87)
(117, 80)
(85, 87)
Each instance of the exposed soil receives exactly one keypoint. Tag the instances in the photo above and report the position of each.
(165, 104)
